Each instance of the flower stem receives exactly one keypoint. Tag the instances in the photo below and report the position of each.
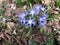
(30, 29)
(41, 30)
(23, 29)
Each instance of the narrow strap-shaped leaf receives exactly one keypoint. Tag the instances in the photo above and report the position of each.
(30, 29)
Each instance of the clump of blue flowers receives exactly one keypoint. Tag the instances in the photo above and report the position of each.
(35, 11)
(28, 18)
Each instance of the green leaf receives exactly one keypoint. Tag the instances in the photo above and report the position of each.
(15, 43)
(41, 30)
(1, 25)
(50, 42)
(7, 43)
(20, 26)
(33, 42)
(29, 3)
(36, 18)
(49, 5)
(28, 33)
(51, 16)
(58, 3)
(4, 26)
(3, 10)
(19, 2)
(23, 28)
(0, 12)
(4, 6)
(38, 1)
(5, 16)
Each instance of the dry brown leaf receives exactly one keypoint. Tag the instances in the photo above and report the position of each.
(46, 1)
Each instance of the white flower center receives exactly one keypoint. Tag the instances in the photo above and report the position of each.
(32, 12)
(42, 9)
(30, 21)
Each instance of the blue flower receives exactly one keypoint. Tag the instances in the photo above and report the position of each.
(45, 15)
(41, 18)
(42, 21)
(44, 18)
(32, 11)
(37, 12)
(25, 18)
(31, 22)
(37, 7)
(24, 22)
(43, 8)
(21, 20)
(22, 15)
